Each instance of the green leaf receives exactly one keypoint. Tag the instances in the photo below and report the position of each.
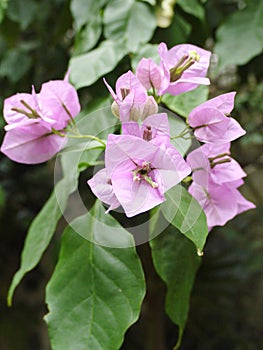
(95, 63)
(42, 230)
(240, 37)
(15, 64)
(177, 127)
(131, 21)
(96, 292)
(88, 36)
(193, 7)
(3, 7)
(184, 103)
(176, 262)
(23, 12)
(184, 212)
(84, 11)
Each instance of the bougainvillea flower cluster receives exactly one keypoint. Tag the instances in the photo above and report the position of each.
(216, 175)
(141, 163)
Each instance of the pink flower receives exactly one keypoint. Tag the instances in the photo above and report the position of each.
(212, 162)
(31, 119)
(184, 67)
(220, 203)
(140, 172)
(149, 74)
(131, 101)
(211, 123)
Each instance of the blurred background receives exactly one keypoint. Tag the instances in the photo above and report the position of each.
(37, 40)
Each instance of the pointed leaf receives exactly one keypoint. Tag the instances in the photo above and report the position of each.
(234, 48)
(41, 230)
(96, 63)
(96, 292)
(184, 212)
(129, 20)
(193, 7)
(84, 11)
(176, 262)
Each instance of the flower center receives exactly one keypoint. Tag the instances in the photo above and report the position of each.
(183, 64)
(142, 173)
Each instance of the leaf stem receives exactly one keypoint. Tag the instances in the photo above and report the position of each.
(78, 136)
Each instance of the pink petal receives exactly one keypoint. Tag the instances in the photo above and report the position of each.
(13, 117)
(31, 145)
(101, 186)
(218, 204)
(58, 101)
(149, 73)
(135, 196)
(224, 103)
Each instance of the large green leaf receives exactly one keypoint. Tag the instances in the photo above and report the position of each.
(96, 292)
(23, 12)
(184, 212)
(240, 37)
(88, 36)
(88, 68)
(131, 21)
(193, 7)
(176, 262)
(84, 11)
(42, 230)
(184, 103)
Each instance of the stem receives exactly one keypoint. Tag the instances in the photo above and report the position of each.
(79, 136)
(185, 131)
(179, 340)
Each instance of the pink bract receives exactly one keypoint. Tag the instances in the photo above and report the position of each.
(220, 203)
(190, 77)
(212, 162)
(211, 122)
(149, 74)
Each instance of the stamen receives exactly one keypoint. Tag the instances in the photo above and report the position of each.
(183, 64)
(222, 161)
(33, 112)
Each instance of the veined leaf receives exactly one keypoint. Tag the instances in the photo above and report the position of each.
(84, 11)
(42, 229)
(86, 69)
(193, 7)
(240, 37)
(131, 21)
(184, 212)
(176, 262)
(96, 292)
